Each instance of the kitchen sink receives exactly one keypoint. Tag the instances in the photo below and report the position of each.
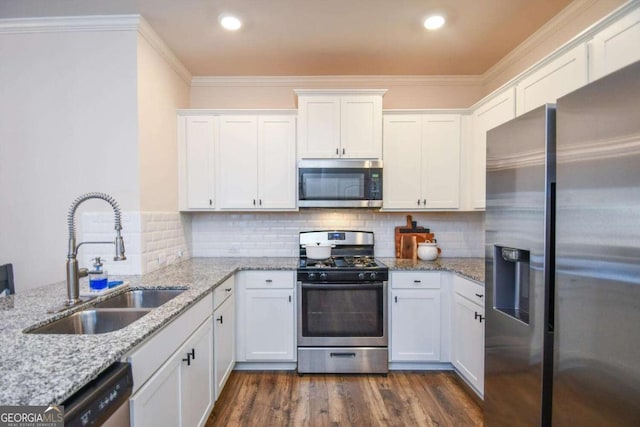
(92, 322)
(112, 314)
(140, 298)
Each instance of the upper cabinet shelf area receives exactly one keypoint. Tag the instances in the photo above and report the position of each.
(237, 160)
(334, 124)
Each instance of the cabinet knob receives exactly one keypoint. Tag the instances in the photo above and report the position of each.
(268, 280)
(260, 202)
(344, 151)
(289, 298)
(219, 319)
(417, 281)
(254, 202)
(227, 290)
(424, 202)
(210, 202)
(479, 295)
(479, 317)
(395, 299)
(193, 353)
(418, 202)
(337, 152)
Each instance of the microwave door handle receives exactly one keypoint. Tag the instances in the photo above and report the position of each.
(301, 192)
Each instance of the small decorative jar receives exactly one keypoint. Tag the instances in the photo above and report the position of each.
(428, 251)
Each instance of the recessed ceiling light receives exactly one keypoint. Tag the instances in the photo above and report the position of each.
(434, 22)
(230, 22)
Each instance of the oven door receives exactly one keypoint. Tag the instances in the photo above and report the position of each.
(342, 314)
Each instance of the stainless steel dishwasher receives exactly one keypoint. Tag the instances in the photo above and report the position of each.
(102, 402)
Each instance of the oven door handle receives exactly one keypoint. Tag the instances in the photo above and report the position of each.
(325, 286)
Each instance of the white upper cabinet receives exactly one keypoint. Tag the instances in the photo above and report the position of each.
(616, 46)
(238, 162)
(555, 79)
(256, 164)
(196, 135)
(340, 124)
(496, 110)
(421, 161)
(318, 126)
(277, 162)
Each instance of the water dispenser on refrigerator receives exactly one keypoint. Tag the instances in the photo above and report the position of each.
(511, 282)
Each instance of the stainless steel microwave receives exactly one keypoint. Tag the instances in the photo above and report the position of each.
(340, 183)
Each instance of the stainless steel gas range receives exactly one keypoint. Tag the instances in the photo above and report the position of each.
(342, 305)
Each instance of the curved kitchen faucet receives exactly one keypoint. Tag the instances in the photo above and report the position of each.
(73, 272)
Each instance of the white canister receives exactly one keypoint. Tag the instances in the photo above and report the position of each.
(427, 251)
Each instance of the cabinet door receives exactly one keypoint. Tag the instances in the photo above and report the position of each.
(238, 162)
(198, 175)
(158, 401)
(616, 46)
(415, 325)
(224, 343)
(468, 340)
(441, 161)
(361, 127)
(277, 162)
(197, 386)
(269, 325)
(402, 161)
(554, 80)
(318, 127)
(499, 109)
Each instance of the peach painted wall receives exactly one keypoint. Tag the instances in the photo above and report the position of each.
(161, 91)
(403, 92)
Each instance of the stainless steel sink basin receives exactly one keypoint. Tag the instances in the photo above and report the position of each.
(92, 322)
(141, 298)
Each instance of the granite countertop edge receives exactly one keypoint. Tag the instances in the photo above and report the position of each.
(39, 369)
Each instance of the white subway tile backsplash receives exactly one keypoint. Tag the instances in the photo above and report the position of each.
(152, 239)
(459, 234)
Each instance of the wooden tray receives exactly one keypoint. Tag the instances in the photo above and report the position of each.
(404, 239)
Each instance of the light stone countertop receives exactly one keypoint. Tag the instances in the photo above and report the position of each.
(43, 369)
(470, 268)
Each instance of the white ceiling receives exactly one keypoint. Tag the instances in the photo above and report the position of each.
(324, 37)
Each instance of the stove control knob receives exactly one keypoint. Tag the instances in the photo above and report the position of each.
(312, 276)
(361, 276)
(323, 276)
(372, 275)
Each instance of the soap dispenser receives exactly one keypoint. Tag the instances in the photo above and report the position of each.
(97, 277)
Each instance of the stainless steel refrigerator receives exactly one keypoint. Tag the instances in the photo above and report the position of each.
(562, 337)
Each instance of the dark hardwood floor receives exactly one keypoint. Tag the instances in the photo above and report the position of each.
(400, 399)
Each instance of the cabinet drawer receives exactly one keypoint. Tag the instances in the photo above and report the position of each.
(223, 291)
(415, 280)
(269, 280)
(472, 291)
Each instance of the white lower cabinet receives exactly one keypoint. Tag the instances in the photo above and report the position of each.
(224, 349)
(415, 317)
(468, 332)
(266, 317)
(180, 393)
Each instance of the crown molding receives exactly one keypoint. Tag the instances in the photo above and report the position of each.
(70, 23)
(146, 31)
(97, 23)
(218, 111)
(300, 81)
(568, 14)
